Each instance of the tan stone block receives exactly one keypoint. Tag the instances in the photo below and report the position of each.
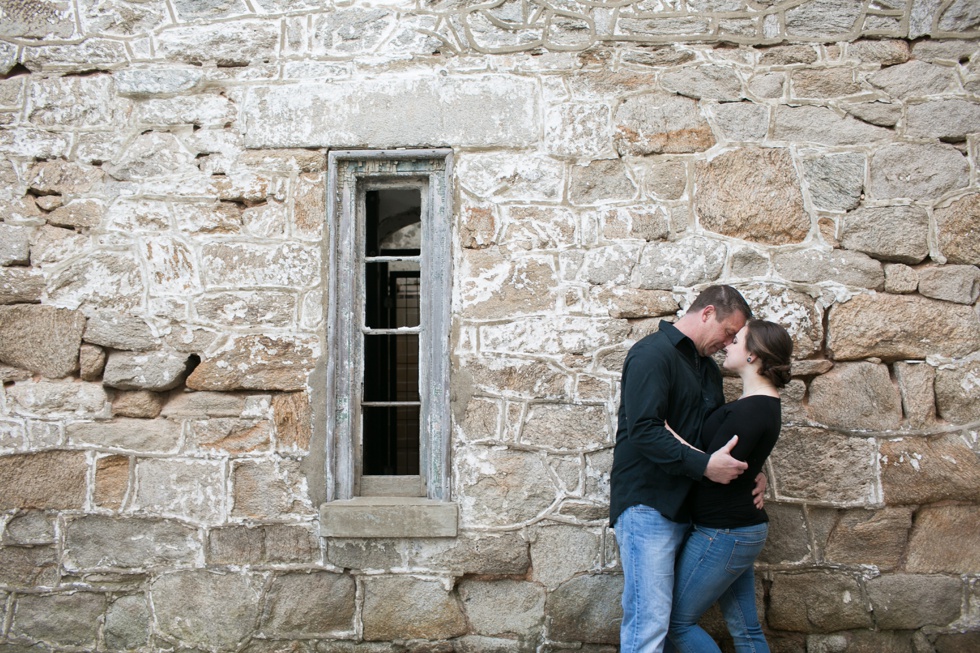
(856, 396)
(255, 362)
(503, 487)
(822, 466)
(769, 210)
(908, 601)
(916, 382)
(945, 540)
(413, 608)
(958, 390)
(91, 362)
(29, 528)
(561, 551)
(204, 404)
(958, 230)
(789, 539)
(43, 339)
(268, 489)
(136, 435)
(60, 177)
(191, 489)
(869, 537)
(236, 545)
(563, 427)
(586, 609)
(111, 481)
(802, 317)
(631, 303)
(309, 204)
(231, 435)
(478, 227)
(47, 480)
(896, 327)
(20, 285)
(660, 123)
(78, 214)
(951, 283)
(137, 403)
(493, 285)
(532, 227)
(821, 601)
(293, 421)
(900, 279)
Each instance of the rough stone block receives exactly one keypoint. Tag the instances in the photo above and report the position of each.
(959, 235)
(15, 244)
(43, 339)
(155, 370)
(788, 540)
(944, 540)
(263, 308)
(821, 466)
(119, 331)
(660, 123)
(62, 619)
(916, 382)
(504, 487)
(900, 279)
(128, 434)
(901, 327)
(709, 82)
(492, 284)
(882, 114)
(825, 126)
(84, 213)
(413, 608)
(957, 386)
(389, 517)
(293, 421)
(211, 610)
(127, 623)
(914, 78)
(255, 362)
(687, 262)
(39, 20)
(182, 404)
(835, 181)
(285, 544)
(227, 44)
(29, 528)
(883, 52)
(140, 82)
(773, 215)
(53, 399)
(73, 101)
(562, 427)
(189, 489)
(910, 601)
(917, 171)
(869, 537)
(626, 303)
(269, 490)
(824, 83)
(841, 266)
(795, 310)
(91, 362)
(820, 601)
(47, 480)
(103, 542)
(103, 280)
(137, 403)
(856, 396)
(236, 545)
(20, 285)
(586, 609)
(29, 566)
(309, 604)
(897, 233)
(947, 119)
(503, 607)
(475, 111)
(111, 481)
(559, 552)
(951, 283)
(230, 435)
(601, 182)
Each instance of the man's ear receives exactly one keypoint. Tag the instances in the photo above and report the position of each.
(707, 313)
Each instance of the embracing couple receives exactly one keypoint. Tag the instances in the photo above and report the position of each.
(686, 499)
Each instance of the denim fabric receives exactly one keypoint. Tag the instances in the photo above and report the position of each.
(648, 547)
(716, 565)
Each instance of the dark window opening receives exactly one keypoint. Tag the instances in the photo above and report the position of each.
(391, 404)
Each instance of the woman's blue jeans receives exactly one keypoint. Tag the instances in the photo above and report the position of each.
(716, 565)
(648, 547)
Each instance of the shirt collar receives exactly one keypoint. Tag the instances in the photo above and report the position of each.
(675, 336)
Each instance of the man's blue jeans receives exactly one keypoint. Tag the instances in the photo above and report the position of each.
(648, 547)
(716, 565)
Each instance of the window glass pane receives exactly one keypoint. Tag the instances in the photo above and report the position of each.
(392, 220)
(391, 440)
(391, 367)
(392, 293)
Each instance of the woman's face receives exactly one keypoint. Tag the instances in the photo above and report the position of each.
(736, 353)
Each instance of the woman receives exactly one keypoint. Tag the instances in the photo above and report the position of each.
(729, 531)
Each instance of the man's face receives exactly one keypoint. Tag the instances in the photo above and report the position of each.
(715, 334)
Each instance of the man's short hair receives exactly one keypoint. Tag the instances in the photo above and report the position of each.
(725, 299)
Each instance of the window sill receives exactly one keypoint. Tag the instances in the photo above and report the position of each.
(388, 517)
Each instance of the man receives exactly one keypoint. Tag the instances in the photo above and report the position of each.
(668, 376)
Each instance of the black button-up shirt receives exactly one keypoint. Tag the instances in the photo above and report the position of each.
(664, 379)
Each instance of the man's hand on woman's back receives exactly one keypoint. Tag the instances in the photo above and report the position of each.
(722, 468)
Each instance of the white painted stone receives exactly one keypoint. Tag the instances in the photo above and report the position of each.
(686, 262)
(503, 176)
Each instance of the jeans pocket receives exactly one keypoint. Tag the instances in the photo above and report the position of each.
(743, 555)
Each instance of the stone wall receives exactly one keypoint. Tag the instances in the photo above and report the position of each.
(162, 309)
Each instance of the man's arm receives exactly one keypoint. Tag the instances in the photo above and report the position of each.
(722, 468)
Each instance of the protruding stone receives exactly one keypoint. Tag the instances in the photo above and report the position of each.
(61, 177)
(661, 123)
(917, 171)
(207, 609)
(894, 233)
(154, 370)
(15, 244)
(255, 362)
(111, 481)
(769, 209)
(900, 279)
(945, 540)
(949, 120)
(54, 399)
(21, 285)
(46, 480)
(137, 403)
(816, 465)
(951, 283)
(413, 608)
(914, 78)
(120, 331)
(858, 396)
(882, 114)
(43, 339)
(711, 82)
(959, 230)
(901, 327)
(916, 382)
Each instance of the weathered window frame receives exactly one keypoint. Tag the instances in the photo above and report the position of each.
(348, 511)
